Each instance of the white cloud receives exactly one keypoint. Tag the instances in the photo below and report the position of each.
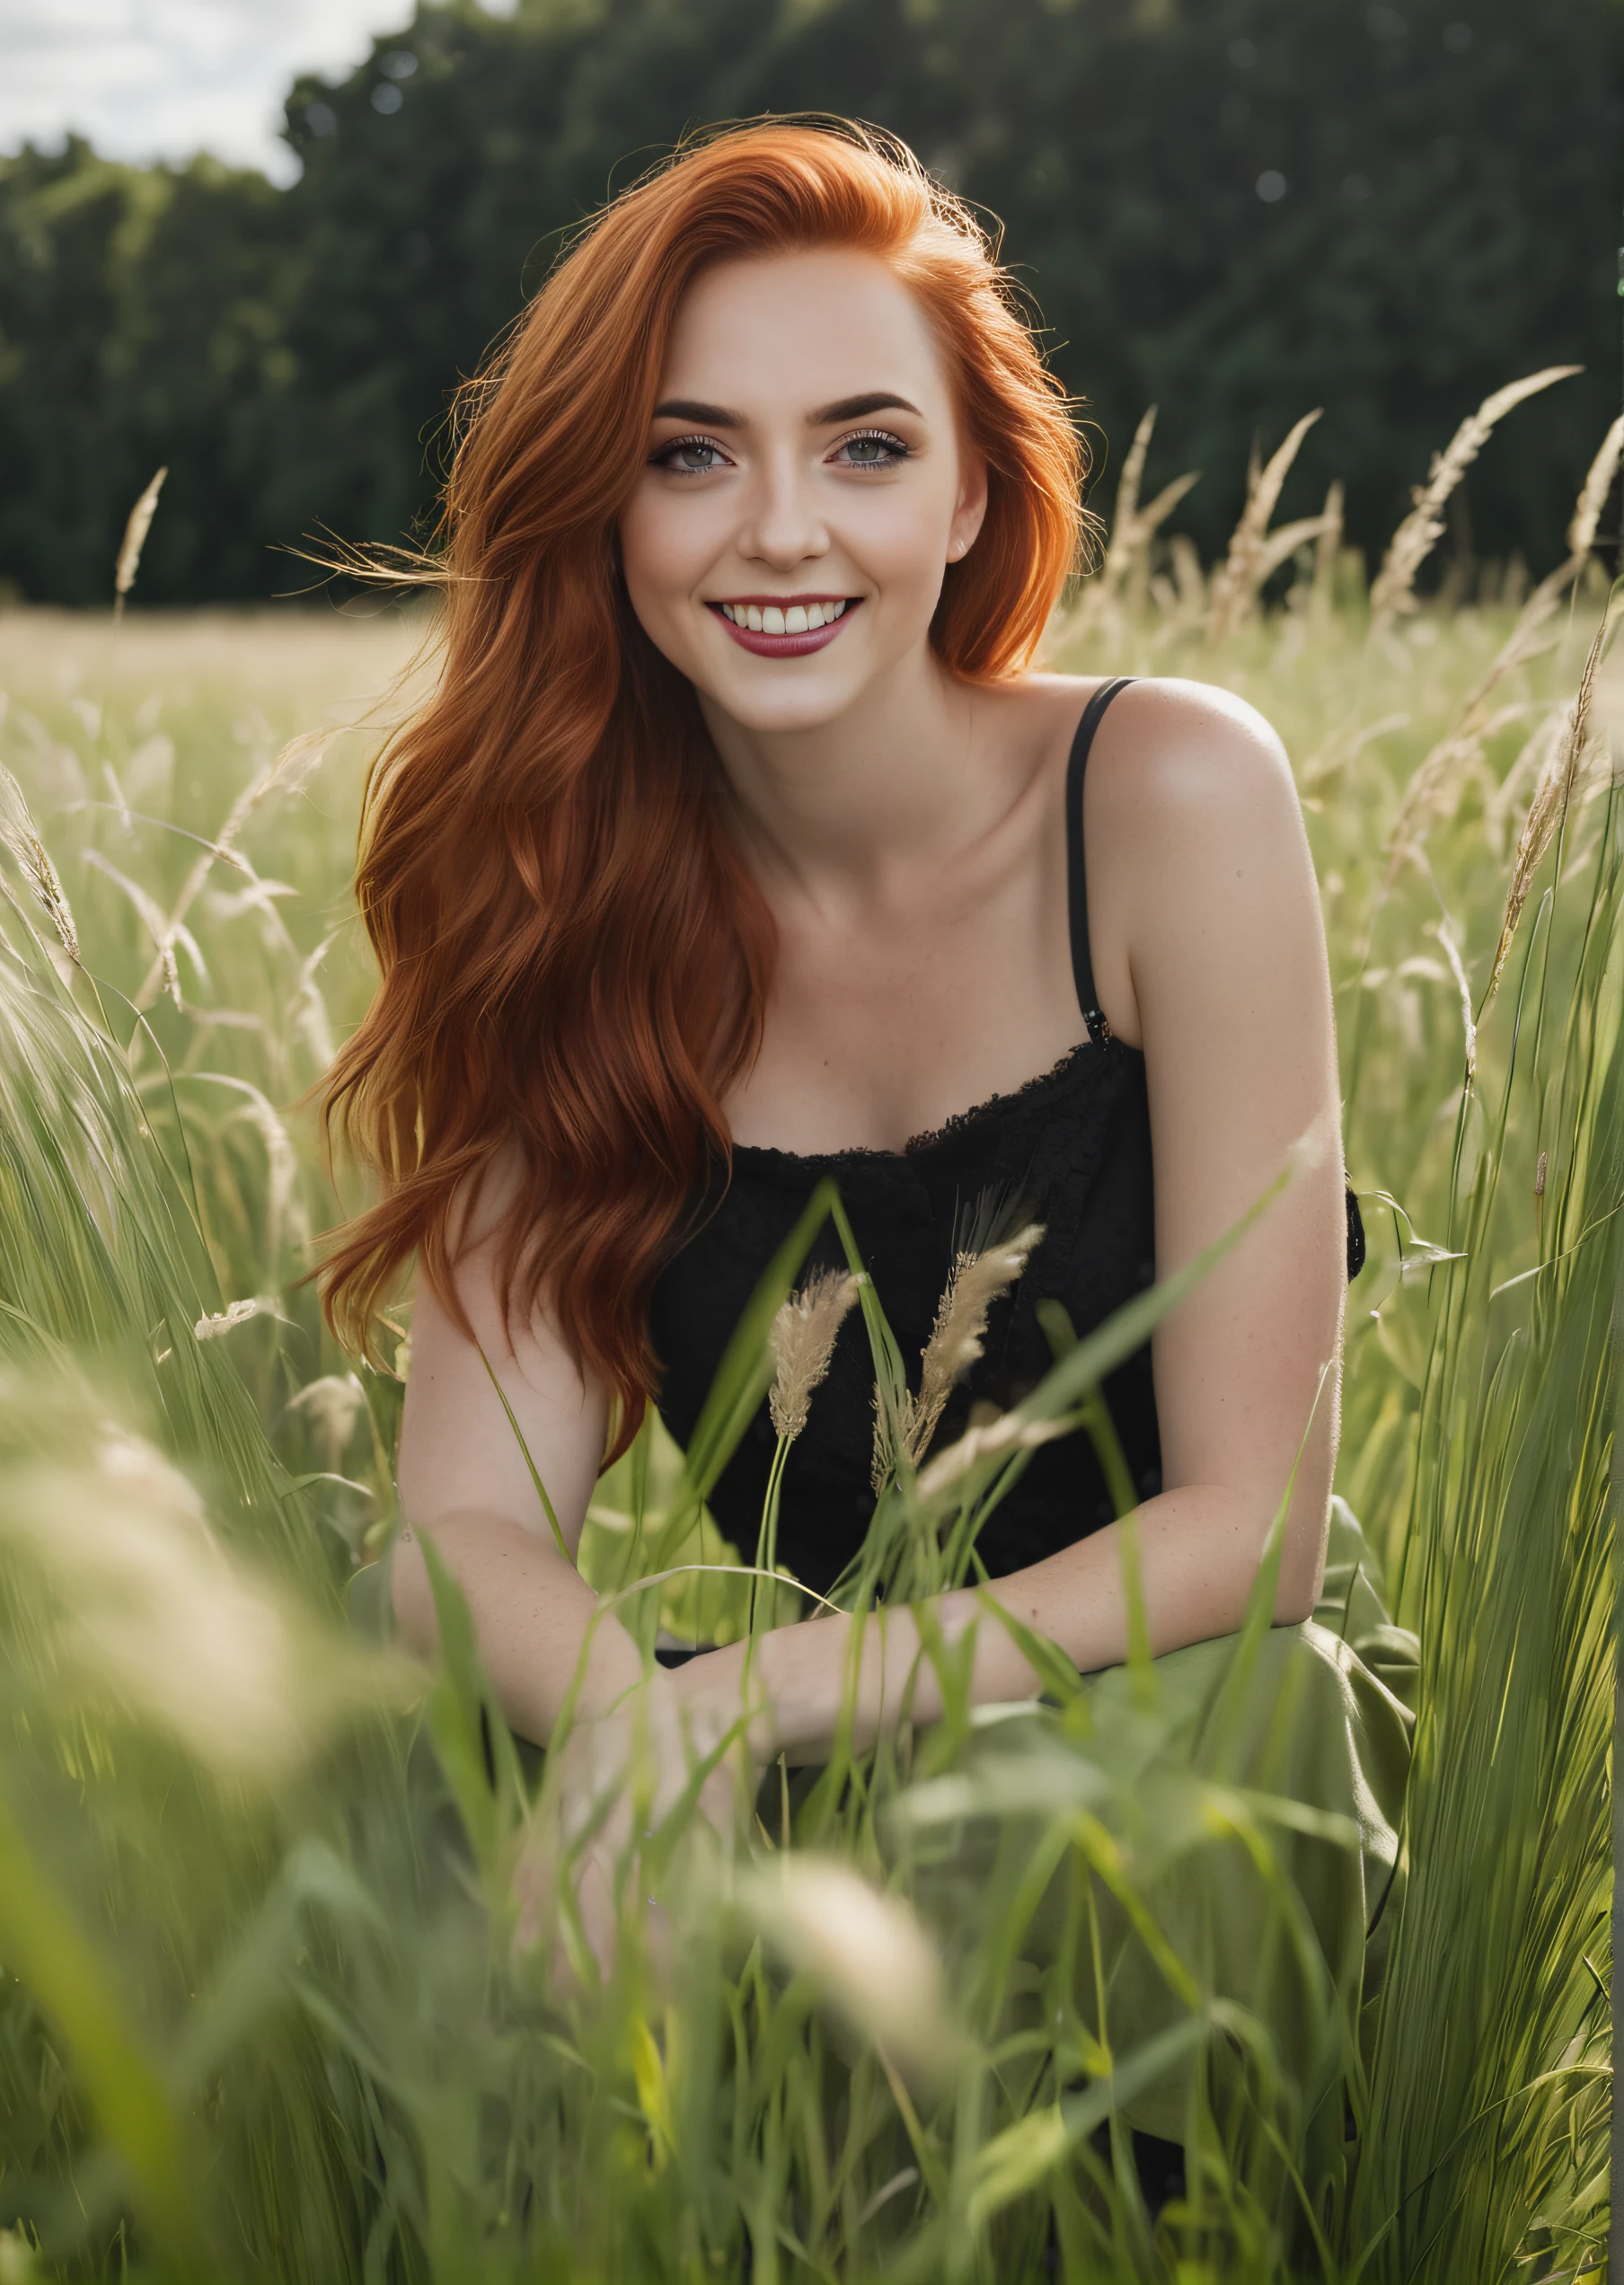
(163, 78)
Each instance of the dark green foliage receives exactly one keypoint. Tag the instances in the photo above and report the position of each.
(143, 317)
(1449, 221)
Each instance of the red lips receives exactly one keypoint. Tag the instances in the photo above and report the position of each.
(784, 646)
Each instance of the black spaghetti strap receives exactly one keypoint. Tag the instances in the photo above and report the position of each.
(1082, 965)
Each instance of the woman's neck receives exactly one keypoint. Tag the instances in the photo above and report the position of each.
(899, 778)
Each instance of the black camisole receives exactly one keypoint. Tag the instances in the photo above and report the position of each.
(1070, 1149)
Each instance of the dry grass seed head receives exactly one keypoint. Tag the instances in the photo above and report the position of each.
(152, 1612)
(1133, 528)
(801, 1342)
(332, 1406)
(289, 772)
(1327, 545)
(977, 1279)
(865, 1949)
(134, 539)
(234, 1313)
(33, 861)
(1593, 491)
(1553, 792)
(1128, 492)
(1238, 582)
(1420, 531)
(1429, 794)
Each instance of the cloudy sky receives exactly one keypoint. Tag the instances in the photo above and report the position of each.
(163, 78)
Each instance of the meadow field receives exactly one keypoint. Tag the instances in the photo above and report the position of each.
(279, 1991)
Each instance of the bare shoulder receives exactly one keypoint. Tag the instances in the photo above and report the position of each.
(1174, 755)
(1165, 746)
(1196, 852)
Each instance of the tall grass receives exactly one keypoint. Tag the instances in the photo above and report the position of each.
(274, 1912)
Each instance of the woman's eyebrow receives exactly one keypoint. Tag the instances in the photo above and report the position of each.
(690, 409)
(859, 407)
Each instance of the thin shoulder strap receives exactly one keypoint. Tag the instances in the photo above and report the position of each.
(1082, 965)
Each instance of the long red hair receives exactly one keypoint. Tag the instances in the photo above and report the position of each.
(573, 960)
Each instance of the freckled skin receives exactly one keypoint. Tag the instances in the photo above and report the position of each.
(907, 833)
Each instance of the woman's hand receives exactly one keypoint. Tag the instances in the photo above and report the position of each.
(610, 1814)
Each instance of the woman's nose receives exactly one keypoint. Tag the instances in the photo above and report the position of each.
(782, 525)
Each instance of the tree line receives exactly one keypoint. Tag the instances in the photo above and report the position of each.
(1235, 209)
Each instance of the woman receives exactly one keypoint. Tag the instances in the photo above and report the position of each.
(740, 844)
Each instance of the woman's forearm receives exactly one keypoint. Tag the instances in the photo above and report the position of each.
(1199, 1547)
(536, 1616)
(533, 1612)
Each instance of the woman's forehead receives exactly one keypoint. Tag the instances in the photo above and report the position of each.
(818, 326)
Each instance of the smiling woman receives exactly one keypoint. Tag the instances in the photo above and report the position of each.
(740, 848)
(588, 518)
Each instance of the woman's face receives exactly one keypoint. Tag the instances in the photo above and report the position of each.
(804, 490)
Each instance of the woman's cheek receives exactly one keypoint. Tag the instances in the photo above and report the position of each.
(906, 551)
(659, 575)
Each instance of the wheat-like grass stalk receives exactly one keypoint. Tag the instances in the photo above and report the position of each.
(1238, 582)
(1127, 498)
(1283, 543)
(134, 539)
(165, 938)
(1548, 804)
(956, 1339)
(1419, 533)
(1004, 1434)
(1189, 581)
(801, 1342)
(290, 769)
(1457, 968)
(1328, 547)
(1519, 780)
(1431, 789)
(1147, 520)
(1133, 528)
(1592, 493)
(218, 1322)
(332, 1405)
(33, 861)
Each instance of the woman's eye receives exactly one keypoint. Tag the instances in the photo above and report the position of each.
(690, 457)
(874, 448)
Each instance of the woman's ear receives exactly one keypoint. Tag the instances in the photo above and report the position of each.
(970, 513)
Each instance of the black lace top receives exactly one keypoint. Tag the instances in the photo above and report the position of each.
(1070, 1149)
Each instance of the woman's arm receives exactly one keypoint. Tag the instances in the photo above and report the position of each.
(462, 1478)
(1209, 952)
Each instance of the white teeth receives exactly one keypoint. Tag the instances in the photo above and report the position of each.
(782, 619)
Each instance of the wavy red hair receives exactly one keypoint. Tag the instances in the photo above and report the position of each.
(573, 961)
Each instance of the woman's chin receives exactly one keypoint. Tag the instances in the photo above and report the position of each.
(783, 699)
